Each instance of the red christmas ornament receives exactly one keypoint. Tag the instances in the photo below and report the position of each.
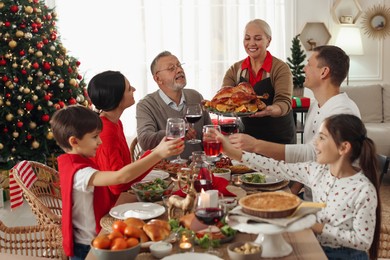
(70, 70)
(45, 41)
(35, 65)
(77, 63)
(57, 106)
(3, 62)
(45, 118)
(39, 45)
(22, 26)
(35, 30)
(19, 124)
(29, 106)
(47, 82)
(29, 137)
(47, 97)
(24, 72)
(61, 103)
(72, 101)
(48, 17)
(7, 24)
(46, 65)
(39, 25)
(79, 77)
(16, 80)
(34, 25)
(53, 36)
(14, 8)
(5, 130)
(36, 1)
(22, 53)
(5, 78)
(8, 95)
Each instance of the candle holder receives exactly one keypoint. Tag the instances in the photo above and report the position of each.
(186, 242)
(236, 180)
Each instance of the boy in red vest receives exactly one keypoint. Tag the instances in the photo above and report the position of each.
(76, 130)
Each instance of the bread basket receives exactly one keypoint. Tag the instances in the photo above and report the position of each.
(270, 204)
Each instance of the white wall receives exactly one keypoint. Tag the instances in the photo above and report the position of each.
(370, 68)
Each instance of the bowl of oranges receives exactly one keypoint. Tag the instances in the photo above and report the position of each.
(122, 243)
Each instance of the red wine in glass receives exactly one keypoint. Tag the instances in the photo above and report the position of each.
(203, 184)
(209, 216)
(192, 119)
(212, 148)
(229, 128)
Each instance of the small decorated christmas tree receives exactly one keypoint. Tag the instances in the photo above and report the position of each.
(295, 63)
(37, 78)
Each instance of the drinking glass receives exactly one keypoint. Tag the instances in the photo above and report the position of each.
(212, 147)
(229, 125)
(193, 115)
(176, 128)
(210, 212)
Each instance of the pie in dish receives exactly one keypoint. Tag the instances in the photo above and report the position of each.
(270, 204)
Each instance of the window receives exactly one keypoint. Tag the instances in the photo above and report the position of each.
(206, 35)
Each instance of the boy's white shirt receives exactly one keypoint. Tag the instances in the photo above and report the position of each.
(83, 215)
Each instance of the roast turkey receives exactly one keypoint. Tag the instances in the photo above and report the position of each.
(239, 99)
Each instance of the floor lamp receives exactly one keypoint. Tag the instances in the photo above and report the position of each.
(349, 39)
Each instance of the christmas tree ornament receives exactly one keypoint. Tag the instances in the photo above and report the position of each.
(39, 73)
(26, 90)
(14, 65)
(39, 54)
(35, 145)
(19, 33)
(9, 117)
(49, 103)
(29, 106)
(12, 44)
(14, 8)
(32, 125)
(45, 118)
(15, 134)
(19, 97)
(29, 78)
(73, 82)
(28, 10)
(35, 65)
(8, 103)
(19, 124)
(1, 146)
(52, 48)
(28, 35)
(20, 112)
(59, 62)
(50, 135)
(34, 97)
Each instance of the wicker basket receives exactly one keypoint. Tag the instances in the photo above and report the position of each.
(384, 246)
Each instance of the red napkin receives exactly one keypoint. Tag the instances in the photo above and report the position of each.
(28, 177)
(219, 184)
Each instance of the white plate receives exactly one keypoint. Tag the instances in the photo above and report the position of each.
(268, 180)
(142, 210)
(192, 256)
(154, 174)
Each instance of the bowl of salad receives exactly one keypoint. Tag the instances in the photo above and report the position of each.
(152, 191)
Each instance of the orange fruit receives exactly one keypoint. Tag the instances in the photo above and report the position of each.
(132, 241)
(119, 225)
(114, 234)
(131, 231)
(118, 243)
(101, 242)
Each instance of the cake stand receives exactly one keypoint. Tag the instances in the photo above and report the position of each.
(269, 235)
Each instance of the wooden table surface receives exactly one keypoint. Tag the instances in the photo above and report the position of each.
(305, 245)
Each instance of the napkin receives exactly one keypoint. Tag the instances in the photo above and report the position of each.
(27, 176)
(219, 184)
(238, 215)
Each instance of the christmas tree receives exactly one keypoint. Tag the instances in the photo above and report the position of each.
(295, 62)
(37, 78)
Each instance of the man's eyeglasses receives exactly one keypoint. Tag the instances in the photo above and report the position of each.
(172, 68)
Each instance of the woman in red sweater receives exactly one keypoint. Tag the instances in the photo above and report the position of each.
(111, 93)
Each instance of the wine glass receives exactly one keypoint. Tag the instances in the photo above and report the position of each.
(176, 128)
(211, 146)
(210, 212)
(229, 125)
(193, 115)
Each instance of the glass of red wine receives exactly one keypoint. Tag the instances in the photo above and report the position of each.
(193, 115)
(229, 125)
(176, 128)
(211, 146)
(209, 211)
(201, 169)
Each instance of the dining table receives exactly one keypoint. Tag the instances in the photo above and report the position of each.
(304, 243)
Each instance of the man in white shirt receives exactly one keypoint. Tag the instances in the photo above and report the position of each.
(325, 71)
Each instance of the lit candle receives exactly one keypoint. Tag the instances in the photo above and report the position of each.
(208, 199)
(186, 243)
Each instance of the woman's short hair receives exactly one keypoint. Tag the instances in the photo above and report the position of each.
(74, 120)
(106, 90)
(263, 25)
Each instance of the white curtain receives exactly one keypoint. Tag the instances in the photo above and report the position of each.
(204, 34)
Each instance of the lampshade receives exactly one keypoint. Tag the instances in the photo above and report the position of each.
(350, 40)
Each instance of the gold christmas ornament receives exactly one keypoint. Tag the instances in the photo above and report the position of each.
(9, 117)
(21, 89)
(35, 145)
(32, 125)
(15, 134)
(73, 82)
(8, 83)
(1, 102)
(20, 112)
(26, 90)
(29, 78)
(39, 73)
(13, 149)
(49, 135)
(28, 35)
(12, 44)
(19, 33)
(34, 97)
(8, 103)
(28, 9)
(39, 107)
(38, 54)
(1, 146)
(59, 62)
(14, 65)
(1, 5)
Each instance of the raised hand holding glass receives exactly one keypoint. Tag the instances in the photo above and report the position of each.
(193, 115)
(176, 128)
